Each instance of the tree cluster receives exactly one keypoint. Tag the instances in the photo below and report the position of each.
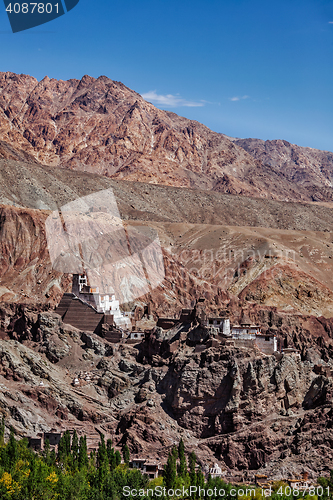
(73, 474)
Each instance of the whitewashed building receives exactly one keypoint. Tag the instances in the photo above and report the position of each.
(221, 324)
(215, 471)
(102, 302)
(245, 331)
(136, 335)
(246, 335)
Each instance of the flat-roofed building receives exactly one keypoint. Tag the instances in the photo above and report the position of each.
(221, 324)
(53, 438)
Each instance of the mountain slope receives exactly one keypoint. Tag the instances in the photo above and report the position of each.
(101, 126)
(213, 243)
(306, 167)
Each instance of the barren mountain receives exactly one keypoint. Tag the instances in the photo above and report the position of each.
(307, 167)
(101, 126)
(213, 244)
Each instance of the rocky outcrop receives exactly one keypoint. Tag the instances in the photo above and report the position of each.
(236, 405)
(286, 287)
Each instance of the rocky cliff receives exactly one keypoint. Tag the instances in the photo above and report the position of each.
(285, 269)
(246, 410)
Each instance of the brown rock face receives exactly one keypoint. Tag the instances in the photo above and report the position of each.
(306, 167)
(286, 269)
(231, 404)
(101, 126)
(286, 286)
(8, 152)
(26, 273)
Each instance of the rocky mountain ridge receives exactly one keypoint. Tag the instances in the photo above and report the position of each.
(101, 126)
(270, 252)
(300, 165)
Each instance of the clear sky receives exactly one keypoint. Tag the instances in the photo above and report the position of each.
(246, 68)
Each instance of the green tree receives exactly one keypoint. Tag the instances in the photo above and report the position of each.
(64, 447)
(67, 441)
(75, 448)
(83, 453)
(118, 458)
(175, 452)
(102, 462)
(182, 460)
(53, 458)
(170, 472)
(92, 459)
(2, 431)
(126, 455)
(72, 487)
(200, 479)
(111, 455)
(12, 452)
(192, 463)
(46, 452)
(37, 485)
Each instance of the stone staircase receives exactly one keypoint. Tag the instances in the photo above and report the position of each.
(64, 304)
(79, 314)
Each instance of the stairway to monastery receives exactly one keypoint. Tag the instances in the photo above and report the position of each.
(79, 314)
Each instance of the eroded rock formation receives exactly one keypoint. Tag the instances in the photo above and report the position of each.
(236, 405)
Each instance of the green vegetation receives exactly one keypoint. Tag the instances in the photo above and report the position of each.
(68, 475)
(72, 474)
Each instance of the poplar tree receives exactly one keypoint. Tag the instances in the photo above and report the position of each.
(46, 452)
(118, 458)
(102, 461)
(192, 463)
(83, 452)
(175, 452)
(126, 455)
(182, 460)
(67, 442)
(2, 431)
(111, 454)
(12, 452)
(75, 447)
(64, 448)
(200, 479)
(170, 472)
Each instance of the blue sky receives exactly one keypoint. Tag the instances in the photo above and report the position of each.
(246, 68)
